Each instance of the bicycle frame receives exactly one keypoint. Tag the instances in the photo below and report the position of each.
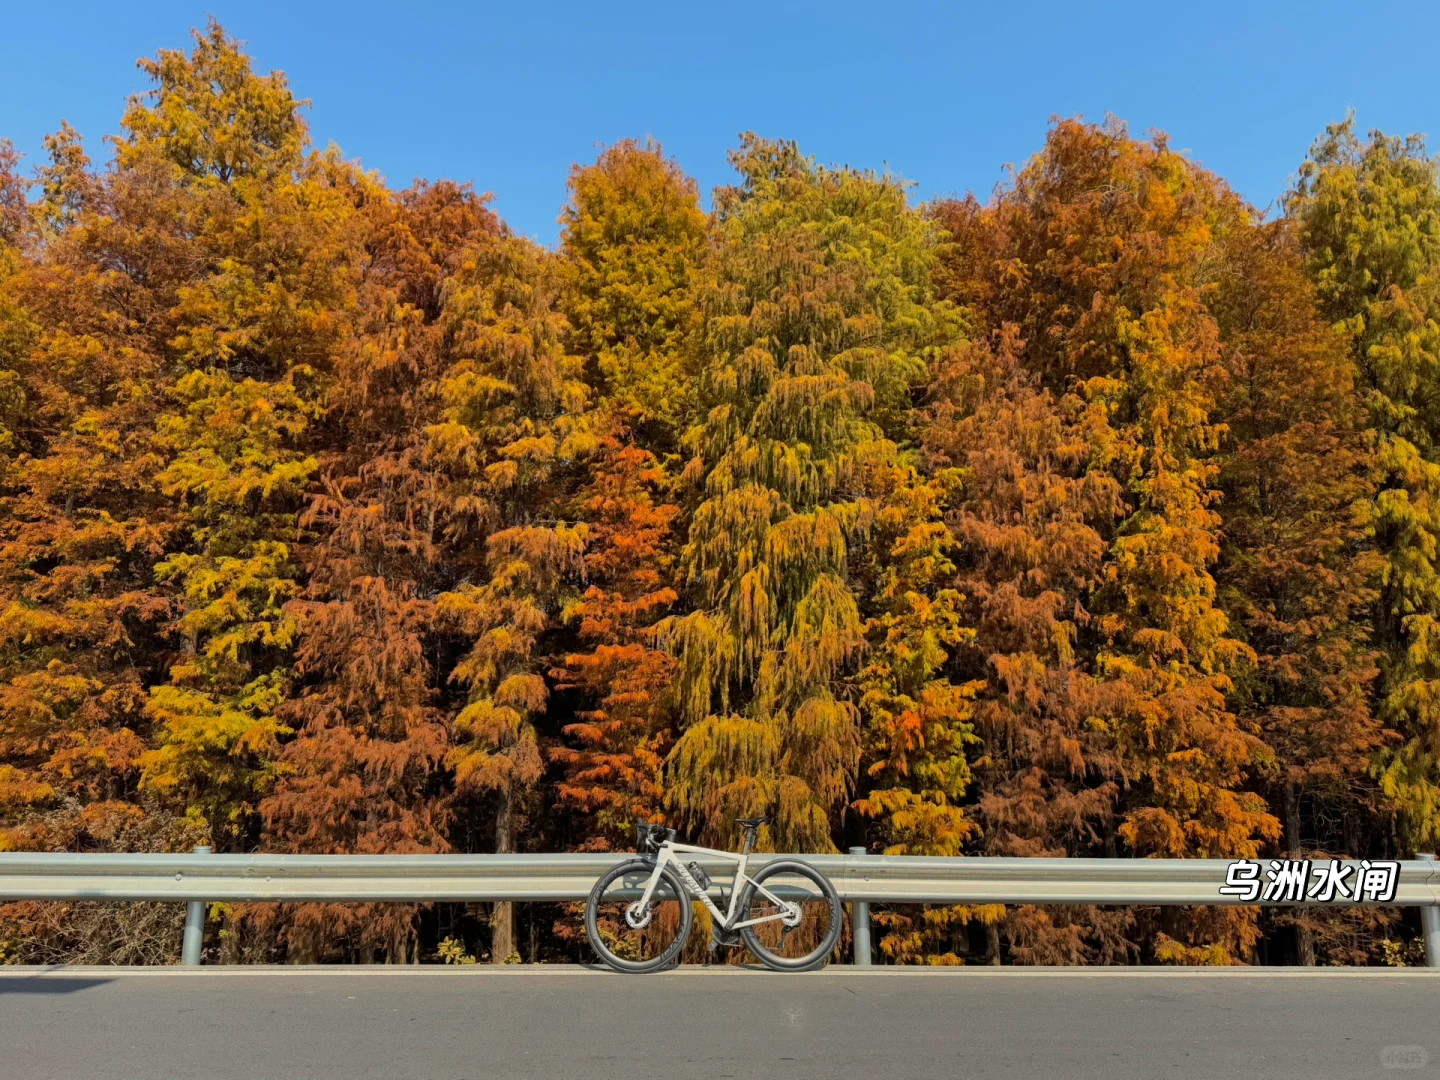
(669, 856)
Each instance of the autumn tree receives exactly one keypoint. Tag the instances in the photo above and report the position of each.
(1097, 255)
(15, 327)
(631, 235)
(14, 206)
(917, 708)
(1368, 215)
(67, 182)
(814, 335)
(212, 117)
(365, 770)
(630, 239)
(918, 722)
(254, 344)
(1296, 573)
(611, 756)
(1026, 517)
(513, 428)
(87, 325)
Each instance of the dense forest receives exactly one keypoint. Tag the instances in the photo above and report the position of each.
(1096, 517)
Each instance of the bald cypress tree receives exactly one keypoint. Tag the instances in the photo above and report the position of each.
(1098, 256)
(365, 768)
(814, 333)
(514, 427)
(632, 234)
(1368, 214)
(631, 237)
(254, 341)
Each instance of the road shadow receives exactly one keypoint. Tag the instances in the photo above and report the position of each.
(49, 984)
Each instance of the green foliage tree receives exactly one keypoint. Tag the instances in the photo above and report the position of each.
(1368, 215)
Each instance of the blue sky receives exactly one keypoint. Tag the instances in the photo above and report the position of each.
(509, 95)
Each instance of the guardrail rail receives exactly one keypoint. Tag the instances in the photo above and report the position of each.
(200, 877)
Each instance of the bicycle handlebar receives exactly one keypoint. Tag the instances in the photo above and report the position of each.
(650, 836)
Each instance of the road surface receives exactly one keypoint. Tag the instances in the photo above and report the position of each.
(579, 1024)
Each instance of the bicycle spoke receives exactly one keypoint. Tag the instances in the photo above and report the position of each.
(789, 933)
(638, 935)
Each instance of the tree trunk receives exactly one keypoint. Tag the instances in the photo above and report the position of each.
(300, 948)
(502, 920)
(992, 944)
(1304, 941)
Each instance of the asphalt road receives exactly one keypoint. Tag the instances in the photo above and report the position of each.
(578, 1024)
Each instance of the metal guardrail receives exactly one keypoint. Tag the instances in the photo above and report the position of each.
(860, 879)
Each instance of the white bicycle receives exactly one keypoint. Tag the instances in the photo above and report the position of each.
(639, 915)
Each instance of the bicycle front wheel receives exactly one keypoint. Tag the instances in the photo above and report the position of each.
(631, 938)
(791, 940)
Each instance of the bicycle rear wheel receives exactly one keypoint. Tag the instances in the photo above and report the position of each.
(634, 940)
(805, 940)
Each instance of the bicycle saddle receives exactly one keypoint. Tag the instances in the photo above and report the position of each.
(751, 822)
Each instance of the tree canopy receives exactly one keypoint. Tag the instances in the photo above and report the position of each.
(1097, 517)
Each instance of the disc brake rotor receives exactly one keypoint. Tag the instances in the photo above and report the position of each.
(638, 915)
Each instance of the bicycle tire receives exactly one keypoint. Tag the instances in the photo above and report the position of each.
(597, 940)
(817, 957)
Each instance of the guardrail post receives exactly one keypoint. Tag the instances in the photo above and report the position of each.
(194, 925)
(1430, 923)
(860, 924)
